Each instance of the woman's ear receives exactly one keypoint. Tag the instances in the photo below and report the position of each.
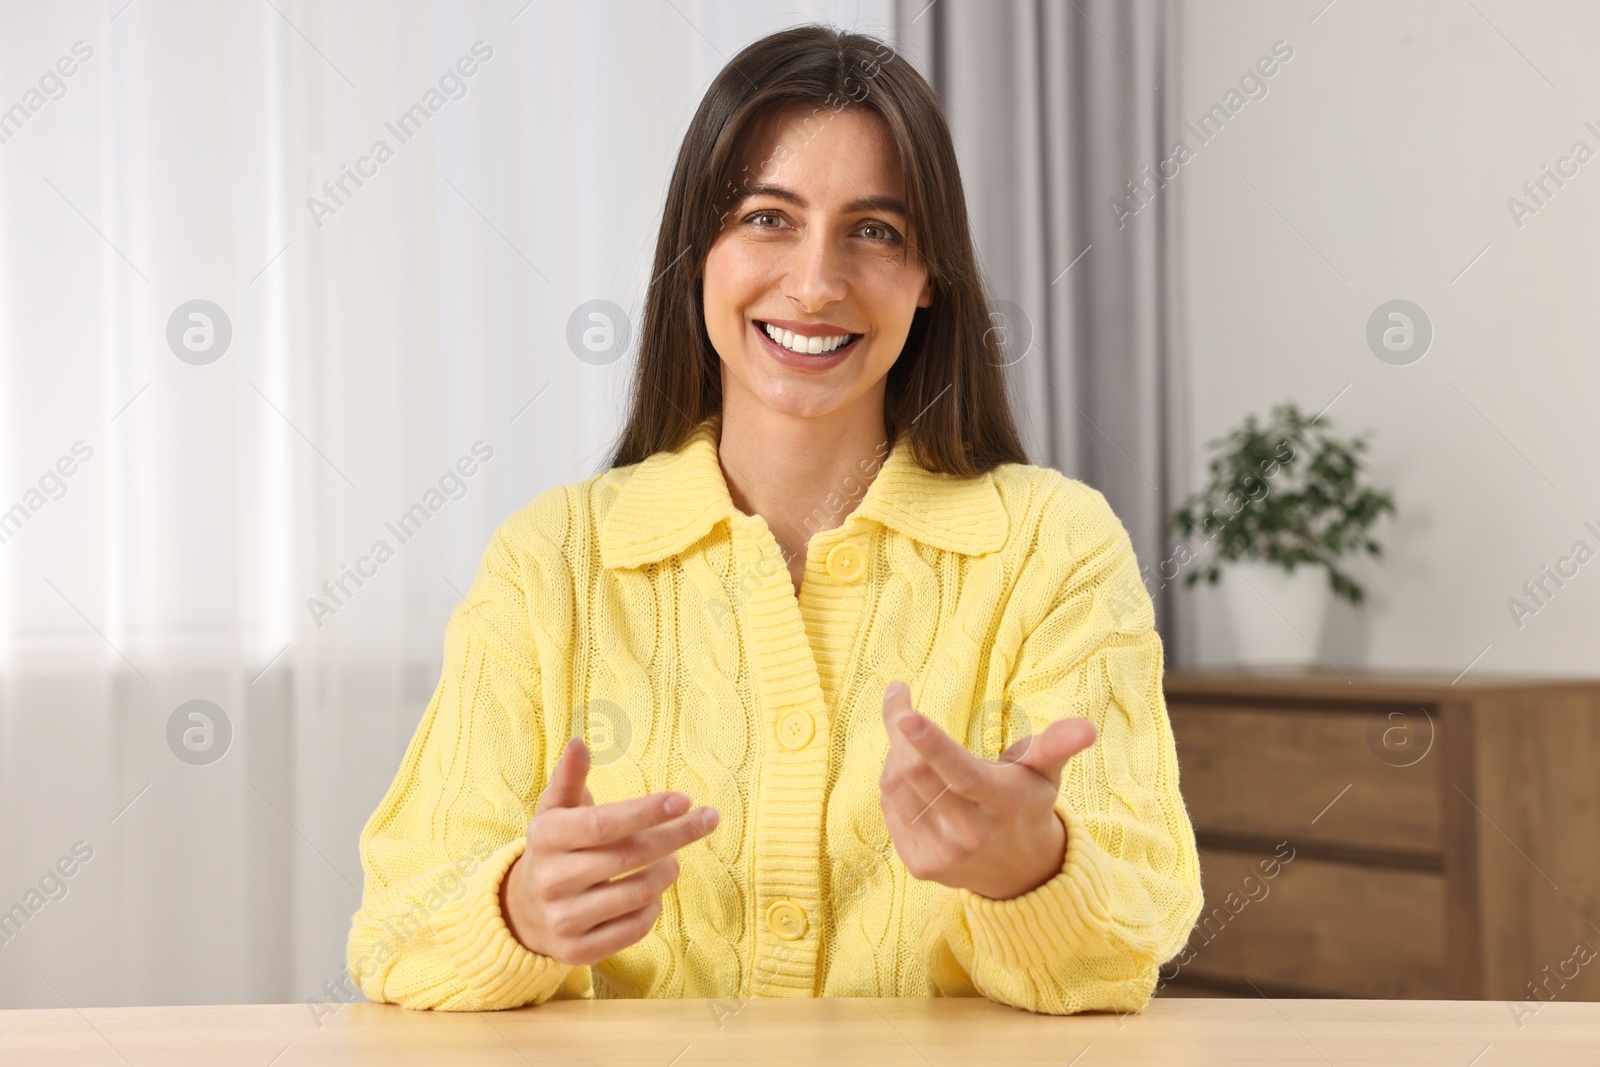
(926, 299)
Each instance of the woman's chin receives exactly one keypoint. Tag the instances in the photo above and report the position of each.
(801, 399)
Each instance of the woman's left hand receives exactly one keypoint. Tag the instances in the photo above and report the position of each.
(967, 823)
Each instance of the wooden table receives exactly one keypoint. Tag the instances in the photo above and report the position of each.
(1177, 1032)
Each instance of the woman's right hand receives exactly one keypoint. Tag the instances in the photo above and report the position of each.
(563, 897)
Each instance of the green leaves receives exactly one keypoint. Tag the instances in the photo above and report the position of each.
(1289, 493)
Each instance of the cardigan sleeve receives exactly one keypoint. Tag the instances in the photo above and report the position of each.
(429, 932)
(1095, 935)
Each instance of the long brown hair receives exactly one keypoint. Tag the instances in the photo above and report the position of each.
(947, 388)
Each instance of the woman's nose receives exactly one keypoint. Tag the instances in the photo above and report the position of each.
(816, 275)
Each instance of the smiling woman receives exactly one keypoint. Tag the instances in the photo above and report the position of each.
(816, 343)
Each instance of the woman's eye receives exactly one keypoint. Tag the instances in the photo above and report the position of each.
(876, 231)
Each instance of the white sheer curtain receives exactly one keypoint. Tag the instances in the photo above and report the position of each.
(383, 343)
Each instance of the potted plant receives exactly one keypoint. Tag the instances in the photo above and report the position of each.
(1283, 497)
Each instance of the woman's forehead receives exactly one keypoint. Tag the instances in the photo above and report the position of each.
(845, 152)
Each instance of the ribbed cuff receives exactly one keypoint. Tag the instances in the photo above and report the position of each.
(1058, 919)
(498, 971)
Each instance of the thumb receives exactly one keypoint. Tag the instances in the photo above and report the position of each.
(1046, 753)
(567, 788)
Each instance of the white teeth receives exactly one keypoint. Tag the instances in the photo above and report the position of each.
(811, 346)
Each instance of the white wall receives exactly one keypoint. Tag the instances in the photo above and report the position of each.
(1388, 147)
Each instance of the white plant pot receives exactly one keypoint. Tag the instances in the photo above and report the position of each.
(1277, 616)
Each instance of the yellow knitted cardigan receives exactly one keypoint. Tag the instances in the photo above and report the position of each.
(642, 610)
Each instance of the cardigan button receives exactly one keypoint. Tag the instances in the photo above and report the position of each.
(796, 727)
(847, 563)
(787, 919)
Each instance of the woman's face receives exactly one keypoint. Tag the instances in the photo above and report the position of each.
(820, 245)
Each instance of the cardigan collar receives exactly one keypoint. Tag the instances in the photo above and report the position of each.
(674, 498)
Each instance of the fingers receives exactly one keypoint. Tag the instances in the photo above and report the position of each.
(927, 762)
(923, 801)
(925, 812)
(601, 824)
(900, 807)
(907, 772)
(567, 788)
(967, 775)
(912, 791)
(612, 937)
(904, 769)
(616, 898)
(896, 705)
(588, 867)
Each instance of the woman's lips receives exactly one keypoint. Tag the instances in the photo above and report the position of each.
(804, 361)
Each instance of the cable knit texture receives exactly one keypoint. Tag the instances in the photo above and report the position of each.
(641, 610)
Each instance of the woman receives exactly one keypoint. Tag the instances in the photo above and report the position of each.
(821, 593)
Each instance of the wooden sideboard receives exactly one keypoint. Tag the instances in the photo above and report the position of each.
(1391, 835)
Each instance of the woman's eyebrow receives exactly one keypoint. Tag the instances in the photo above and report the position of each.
(867, 203)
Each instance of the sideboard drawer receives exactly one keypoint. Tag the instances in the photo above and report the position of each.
(1317, 927)
(1274, 774)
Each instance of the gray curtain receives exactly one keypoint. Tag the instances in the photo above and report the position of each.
(1056, 106)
